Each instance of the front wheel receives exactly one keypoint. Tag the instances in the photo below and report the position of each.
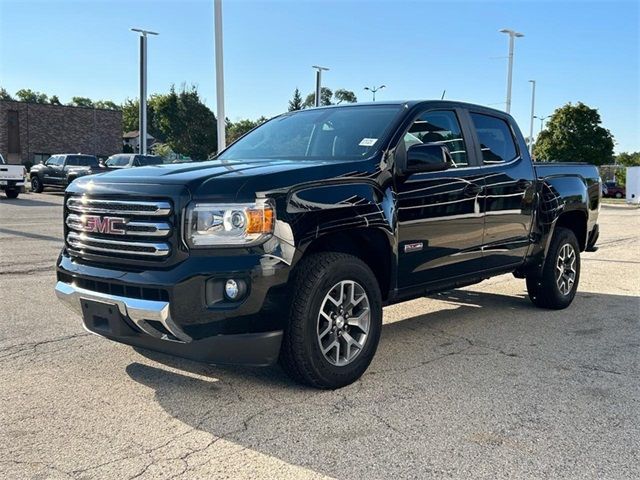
(36, 184)
(618, 195)
(556, 286)
(335, 319)
(12, 193)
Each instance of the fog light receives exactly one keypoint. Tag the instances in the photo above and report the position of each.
(231, 289)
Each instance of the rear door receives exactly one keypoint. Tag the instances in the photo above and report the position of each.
(440, 220)
(509, 188)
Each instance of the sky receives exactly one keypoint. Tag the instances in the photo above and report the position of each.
(586, 51)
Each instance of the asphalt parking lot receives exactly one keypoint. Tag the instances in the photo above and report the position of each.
(475, 383)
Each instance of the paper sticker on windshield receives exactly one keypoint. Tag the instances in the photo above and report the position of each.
(368, 142)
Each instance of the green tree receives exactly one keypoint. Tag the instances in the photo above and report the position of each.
(81, 102)
(31, 96)
(325, 98)
(4, 95)
(54, 100)
(179, 119)
(237, 129)
(328, 97)
(296, 102)
(574, 134)
(625, 160)
(107, 104)
(130, 115)
(346, 96)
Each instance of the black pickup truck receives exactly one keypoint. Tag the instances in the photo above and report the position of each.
(290, 242)
(60, 170)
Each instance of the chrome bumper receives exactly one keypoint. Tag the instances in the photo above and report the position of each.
(139, 311)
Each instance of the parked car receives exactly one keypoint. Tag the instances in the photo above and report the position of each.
(291, 241)
(614, 190)
(60, 170)
(12, 178)
(129, 160)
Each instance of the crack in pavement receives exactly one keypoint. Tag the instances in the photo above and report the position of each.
(30, 271)
(31, 347)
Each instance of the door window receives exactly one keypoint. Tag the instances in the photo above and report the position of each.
(440, 127)
(496, 139)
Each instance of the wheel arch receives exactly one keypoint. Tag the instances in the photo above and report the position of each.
(576, 221)
(371, 245)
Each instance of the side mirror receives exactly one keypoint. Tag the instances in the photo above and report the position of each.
(428, 157)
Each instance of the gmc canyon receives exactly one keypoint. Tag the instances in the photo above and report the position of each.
(288, 244)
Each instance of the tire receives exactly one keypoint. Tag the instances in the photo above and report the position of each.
(12, 193)
(549, 290)
(618, 195)
(36, 184)
(309, 332)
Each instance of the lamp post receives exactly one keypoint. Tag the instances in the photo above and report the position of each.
(533, 106)
(373, 90)
(542, 119)
(221, 121)
(512, 35)
(318, 82)
(142, 114)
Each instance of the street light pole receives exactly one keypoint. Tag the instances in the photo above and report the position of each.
(373, 90)
(142, 114)
(512, 36)
(533, 106)
(318, 82)
(542, 119)
(221, 121)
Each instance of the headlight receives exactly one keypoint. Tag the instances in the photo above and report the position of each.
(238, 224)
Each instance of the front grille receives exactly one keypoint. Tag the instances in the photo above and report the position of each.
(118, 228)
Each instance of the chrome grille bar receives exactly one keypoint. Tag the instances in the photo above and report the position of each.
(137, 228)
(118, 207)
(83, 242)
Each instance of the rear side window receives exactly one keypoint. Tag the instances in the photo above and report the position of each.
(496, 140)
(84, 161)
(143, 161)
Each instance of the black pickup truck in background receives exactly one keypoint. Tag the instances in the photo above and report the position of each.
(290, 242)
(60, 170)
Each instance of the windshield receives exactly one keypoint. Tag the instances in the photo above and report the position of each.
(334, 133)
(117, 161)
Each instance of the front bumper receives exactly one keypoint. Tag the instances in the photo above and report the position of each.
(171, 311)
(255, 349)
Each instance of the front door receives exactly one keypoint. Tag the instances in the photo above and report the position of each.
(53, 172)
(440, 217)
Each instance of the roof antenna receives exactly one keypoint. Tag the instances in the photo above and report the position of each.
(443, 92)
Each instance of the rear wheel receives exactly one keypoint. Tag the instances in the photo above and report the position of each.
(335, 321)
(556, 286)
(36, 184)
(11, 193)
(618, 195)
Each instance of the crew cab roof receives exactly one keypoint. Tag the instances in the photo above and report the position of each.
(419, 103)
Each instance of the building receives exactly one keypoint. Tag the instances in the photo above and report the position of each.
(31, 132)
(132, 139)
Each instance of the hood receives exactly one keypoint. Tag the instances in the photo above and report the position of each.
(234, 179)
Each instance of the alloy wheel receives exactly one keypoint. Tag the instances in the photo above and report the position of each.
(343, 322)
(566, 269)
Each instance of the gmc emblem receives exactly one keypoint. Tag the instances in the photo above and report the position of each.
(97, 224)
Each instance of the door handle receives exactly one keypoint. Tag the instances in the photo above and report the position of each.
(523, 184)
(472, 189)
